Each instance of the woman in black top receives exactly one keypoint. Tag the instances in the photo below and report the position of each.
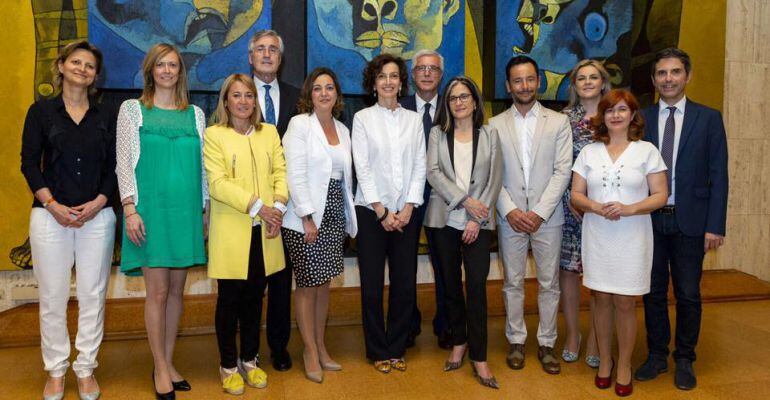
(68, 160)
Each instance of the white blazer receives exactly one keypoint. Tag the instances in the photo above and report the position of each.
(309, 169)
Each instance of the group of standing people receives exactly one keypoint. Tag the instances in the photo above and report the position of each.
(270, 183)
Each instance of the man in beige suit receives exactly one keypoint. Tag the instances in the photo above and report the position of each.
(537, 155)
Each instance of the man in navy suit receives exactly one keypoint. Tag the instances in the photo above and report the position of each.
(692, 140)
(278, 102)
(427, 70)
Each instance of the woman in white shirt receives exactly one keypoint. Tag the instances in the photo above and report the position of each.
(617, 181)
(465, 171)
(389, 156)
(320, 211)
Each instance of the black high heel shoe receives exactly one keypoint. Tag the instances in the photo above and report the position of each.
(162, 396)
(181, 386)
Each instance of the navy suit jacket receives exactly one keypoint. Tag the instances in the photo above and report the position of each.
(288, 106)
(410, 103)
(701, 168)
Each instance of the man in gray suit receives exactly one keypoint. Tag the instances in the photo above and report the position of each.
(537, 156)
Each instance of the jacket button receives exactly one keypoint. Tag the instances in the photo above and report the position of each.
(472, 182)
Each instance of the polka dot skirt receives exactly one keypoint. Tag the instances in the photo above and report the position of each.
(316, 263)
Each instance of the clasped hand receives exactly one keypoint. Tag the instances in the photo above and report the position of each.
(613, 210)
(272, 218)
(524, 222)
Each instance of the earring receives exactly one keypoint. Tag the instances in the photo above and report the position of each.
(399, 92)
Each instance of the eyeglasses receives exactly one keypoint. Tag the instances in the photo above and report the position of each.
(271, 49)
(463, 98)
(427, 68)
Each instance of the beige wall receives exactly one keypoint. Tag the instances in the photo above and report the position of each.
(747, 118)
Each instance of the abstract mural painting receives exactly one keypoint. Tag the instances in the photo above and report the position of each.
(212, 36)
(558, 34)
(345, 34)
(57, 24)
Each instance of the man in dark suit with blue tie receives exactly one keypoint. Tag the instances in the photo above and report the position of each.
(427, 70)
(691, 137)
(278, 103)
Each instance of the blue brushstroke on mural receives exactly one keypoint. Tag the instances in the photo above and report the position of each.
(568, 32)
(213, 42)
(334, 25)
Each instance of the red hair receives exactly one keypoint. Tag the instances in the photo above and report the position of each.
(613, 97)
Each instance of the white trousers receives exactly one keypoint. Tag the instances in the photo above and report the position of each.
(546, 248)
(54, 251)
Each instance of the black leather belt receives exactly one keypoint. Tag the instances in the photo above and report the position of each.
(665, 210)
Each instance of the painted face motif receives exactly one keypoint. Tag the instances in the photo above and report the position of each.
(559, 33)
(371, 27)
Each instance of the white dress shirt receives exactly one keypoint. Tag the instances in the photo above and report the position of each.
(389, 157)
(420, 105)
(525, 129)
(275, 94)
(678, 121)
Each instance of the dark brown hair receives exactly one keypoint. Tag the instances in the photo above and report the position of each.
(615, 96)
(305, 103)
(374, 67)
(65, 53)
(444, 118)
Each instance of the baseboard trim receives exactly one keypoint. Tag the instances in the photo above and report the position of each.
(124, 318)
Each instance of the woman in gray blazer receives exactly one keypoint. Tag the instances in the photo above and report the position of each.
(465, 171)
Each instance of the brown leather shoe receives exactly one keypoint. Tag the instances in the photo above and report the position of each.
(515, 357)
(548, 360)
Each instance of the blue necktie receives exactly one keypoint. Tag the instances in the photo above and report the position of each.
(427, 121)
(269, 107)
(667, 146)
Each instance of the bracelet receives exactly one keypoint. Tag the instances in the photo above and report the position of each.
(48, 202)
(130, 215)
(384, 215)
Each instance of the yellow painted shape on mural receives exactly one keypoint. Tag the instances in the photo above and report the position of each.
(241, 22)
(552, 82)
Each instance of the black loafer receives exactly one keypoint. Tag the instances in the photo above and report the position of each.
(445, 340)
(651, 368)
(182, 386)
(281, 360)
(684, 376)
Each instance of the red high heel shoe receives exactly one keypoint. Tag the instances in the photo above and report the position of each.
(604, 382)
(625, 390)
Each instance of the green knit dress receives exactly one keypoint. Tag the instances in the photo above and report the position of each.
(168, 180)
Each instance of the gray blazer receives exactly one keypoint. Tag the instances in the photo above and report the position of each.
(486, 176)
(551, 166)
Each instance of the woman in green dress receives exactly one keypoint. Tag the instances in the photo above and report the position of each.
(163, 190)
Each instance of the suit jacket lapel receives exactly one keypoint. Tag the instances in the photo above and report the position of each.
(511, 127)
(651, 120)
(317, 131)
(448, 153)
(690, 116)
(476, 133)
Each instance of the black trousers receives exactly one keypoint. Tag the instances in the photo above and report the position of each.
(441, 317)
(679, 257)
(467, 321)
(279, 307)
(375, 245)
(239, 302)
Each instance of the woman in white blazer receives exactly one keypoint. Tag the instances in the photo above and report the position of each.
(320, 210)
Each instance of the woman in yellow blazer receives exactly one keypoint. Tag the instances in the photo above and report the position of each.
(247, 184)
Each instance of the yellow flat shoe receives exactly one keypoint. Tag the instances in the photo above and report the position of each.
(252, 374)
(232, 382)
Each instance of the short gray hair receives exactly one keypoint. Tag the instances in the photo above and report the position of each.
(262, 33)
(426, 52)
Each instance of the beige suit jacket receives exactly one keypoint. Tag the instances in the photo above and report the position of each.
(550, 171)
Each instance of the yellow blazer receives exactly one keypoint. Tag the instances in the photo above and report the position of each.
(237, 167)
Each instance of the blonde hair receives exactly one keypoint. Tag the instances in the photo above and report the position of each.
(574, 99)
(65, 53)
(154, 55)
(222, 113)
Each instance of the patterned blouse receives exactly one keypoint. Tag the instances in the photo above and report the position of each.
(570, 247)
